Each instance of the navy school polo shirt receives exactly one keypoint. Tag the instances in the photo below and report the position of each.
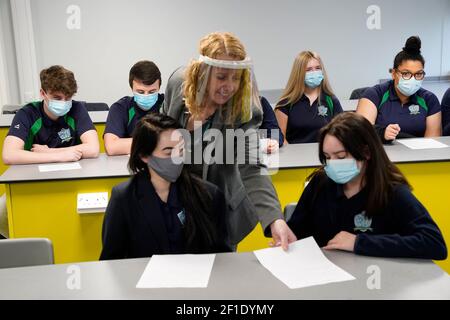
(445, 105)
(174, 219)
(124, 115)
(269, 121)
(33, 126)
(305, 120)
(403, 229)
(411, 117)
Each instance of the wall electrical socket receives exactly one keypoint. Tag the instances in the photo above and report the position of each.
(92, 202)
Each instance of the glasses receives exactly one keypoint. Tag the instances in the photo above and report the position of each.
(406, 75)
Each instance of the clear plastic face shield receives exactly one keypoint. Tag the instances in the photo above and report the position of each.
(229, 84)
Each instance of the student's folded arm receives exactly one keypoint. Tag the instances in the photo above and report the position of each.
(115, 145)
(417, 237)
(89, 144)
(14, 153)
(114, 231)
(434, 125)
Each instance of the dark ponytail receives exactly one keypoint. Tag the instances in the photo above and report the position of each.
(411, 51)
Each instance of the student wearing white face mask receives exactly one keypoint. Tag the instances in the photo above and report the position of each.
(56, 129)
(145, 82)
(359, 201)
(162, 209)
(401, 108)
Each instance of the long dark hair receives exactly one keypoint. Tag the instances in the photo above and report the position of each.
(200, 230)
(359, 139)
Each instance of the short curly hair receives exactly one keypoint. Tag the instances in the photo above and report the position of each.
(58, 79)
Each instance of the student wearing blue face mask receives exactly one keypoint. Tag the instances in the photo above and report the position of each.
(401, 108)
(56, 129)
(145, 82)
(162, 209)
(359, 201)
(307, 103)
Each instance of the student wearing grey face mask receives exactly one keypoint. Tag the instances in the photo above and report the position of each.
(162, 209)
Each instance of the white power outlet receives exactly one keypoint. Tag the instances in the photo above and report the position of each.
(92, 202)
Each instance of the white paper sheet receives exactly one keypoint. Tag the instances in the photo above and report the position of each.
(59, 167)
(303, 265)
(177, 271)
(422, 143)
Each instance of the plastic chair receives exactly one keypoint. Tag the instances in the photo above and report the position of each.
(25, 252)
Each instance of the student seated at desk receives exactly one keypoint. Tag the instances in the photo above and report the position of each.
(56, 129)
(162, 209)
(270, 126)
(400, 108)
(307, 103)
(445, 105)
(359, 201)
(145, 82)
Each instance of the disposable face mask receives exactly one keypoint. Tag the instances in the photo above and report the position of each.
(342, 170)
(166, 168)
(59, 107)
(313, 79)
(409, 87)
(146, 101)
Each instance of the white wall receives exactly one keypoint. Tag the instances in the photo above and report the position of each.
(7, 50)
(115, 34)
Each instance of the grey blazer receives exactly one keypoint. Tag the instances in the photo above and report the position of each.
(251, 196)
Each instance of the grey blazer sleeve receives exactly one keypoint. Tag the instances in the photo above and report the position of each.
(257, 183)
(173, 99)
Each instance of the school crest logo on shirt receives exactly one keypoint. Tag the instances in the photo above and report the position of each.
(414, 109)
(64, 135)
(323, 111)
(362, 223)
(182, 217)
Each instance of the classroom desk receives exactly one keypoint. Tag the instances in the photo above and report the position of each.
(44, 204)
(234, 276)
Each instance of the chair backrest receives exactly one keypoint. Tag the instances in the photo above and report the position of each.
(10, 108)
(96, 106)
(289, 210)
(25, 252)
(357, 93)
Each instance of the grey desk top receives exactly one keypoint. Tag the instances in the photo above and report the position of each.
(234, 276)
(96, 117)
(289, 157)
(306, 155)
(101, 167)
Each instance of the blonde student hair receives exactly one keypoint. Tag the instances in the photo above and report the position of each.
(213, 45)
(295, 87)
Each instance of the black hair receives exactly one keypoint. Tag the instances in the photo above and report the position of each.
(411, 51)
(201, 233)
(144, 71)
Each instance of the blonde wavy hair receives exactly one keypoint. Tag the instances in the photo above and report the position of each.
(214, 45)
(295, 87)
